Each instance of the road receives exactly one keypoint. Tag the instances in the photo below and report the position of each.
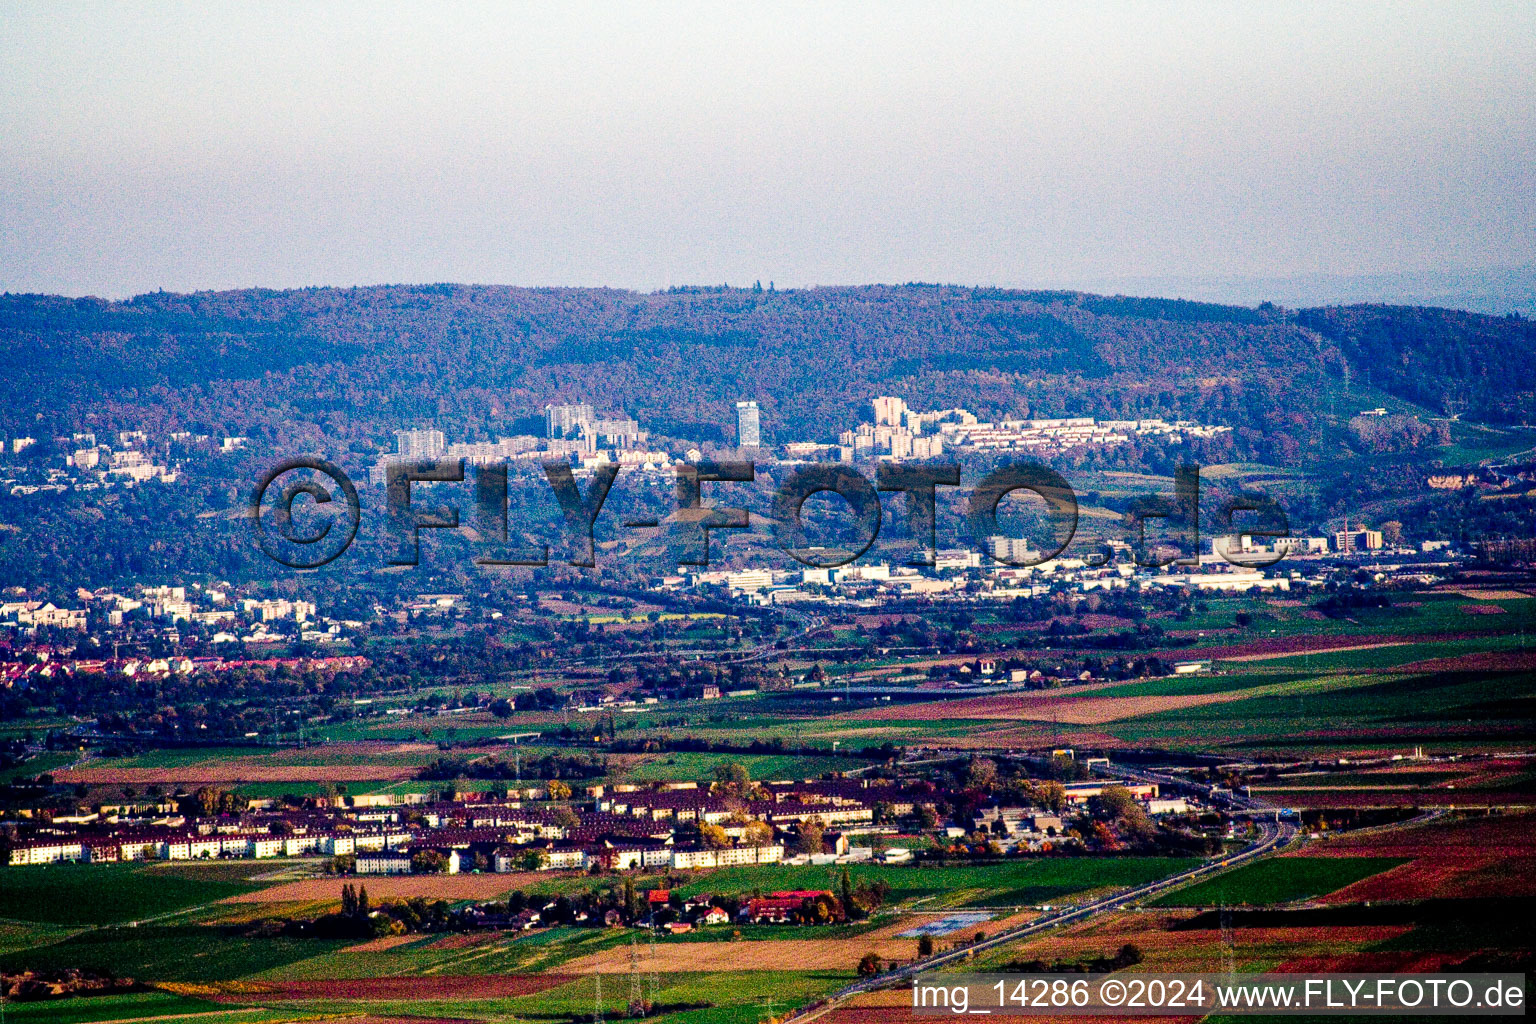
(1272, 836)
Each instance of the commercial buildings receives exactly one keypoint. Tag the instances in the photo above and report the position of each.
(1358, 539)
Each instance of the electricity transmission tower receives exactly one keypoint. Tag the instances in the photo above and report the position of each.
(636, 997)
(653, 969)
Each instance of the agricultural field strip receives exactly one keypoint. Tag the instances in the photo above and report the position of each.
(1336, 649)
(1093, 710)
(106, 894)
(1280, 880)
(735, 995)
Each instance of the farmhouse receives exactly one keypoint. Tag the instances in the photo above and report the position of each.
(779, 907)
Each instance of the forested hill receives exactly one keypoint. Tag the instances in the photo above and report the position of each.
(351, 365)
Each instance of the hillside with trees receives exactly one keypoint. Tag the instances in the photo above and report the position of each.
(342, 368)
(335, 372)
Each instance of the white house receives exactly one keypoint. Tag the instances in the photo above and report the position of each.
(383, 863)
(46, 851)
(693, 858)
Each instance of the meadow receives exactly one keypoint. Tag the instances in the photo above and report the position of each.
(1390, 710)
(734, 997)
(99, 894)
(126, 1006)
(1279, 880)
(37, 765)
(179, 953)
(455, 955)
(767, 767)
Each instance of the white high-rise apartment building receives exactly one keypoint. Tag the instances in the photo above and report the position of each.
(419, 444)
(568, 420)
(888, 410)
(748, 425)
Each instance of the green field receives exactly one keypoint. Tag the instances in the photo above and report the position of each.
(130, 1006)
(37, 765)
(160, 954)
(502, 953)
(1393, 709)
(1410, 615)
(1246, 679)
(1279, 880)
(733, 997)
(16, 935)
(93, 894)
(766, 767)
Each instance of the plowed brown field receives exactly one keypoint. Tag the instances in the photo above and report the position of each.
(797, 954)
(1167, 949)
(360, 761)
(447, 887)
(1049, 707)
(1480, 857)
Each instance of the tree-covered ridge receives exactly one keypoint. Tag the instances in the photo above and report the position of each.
(350, 365)
(1482, 367)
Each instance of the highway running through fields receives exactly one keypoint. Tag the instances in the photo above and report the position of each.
(1273, 836)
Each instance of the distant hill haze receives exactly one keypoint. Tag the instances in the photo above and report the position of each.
(349, 366)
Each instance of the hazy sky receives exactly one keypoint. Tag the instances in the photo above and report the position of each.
(149, 146)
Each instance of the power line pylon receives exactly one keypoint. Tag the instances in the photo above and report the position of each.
(653, 969)
(636, 996)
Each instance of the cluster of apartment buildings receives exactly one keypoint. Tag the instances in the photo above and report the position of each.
(1058, 435)
(90, 463)
(965, 575)
(899, 432)
(231, 619)
(631, 828)
(129, 465)
(41, 661)
(574, 433)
